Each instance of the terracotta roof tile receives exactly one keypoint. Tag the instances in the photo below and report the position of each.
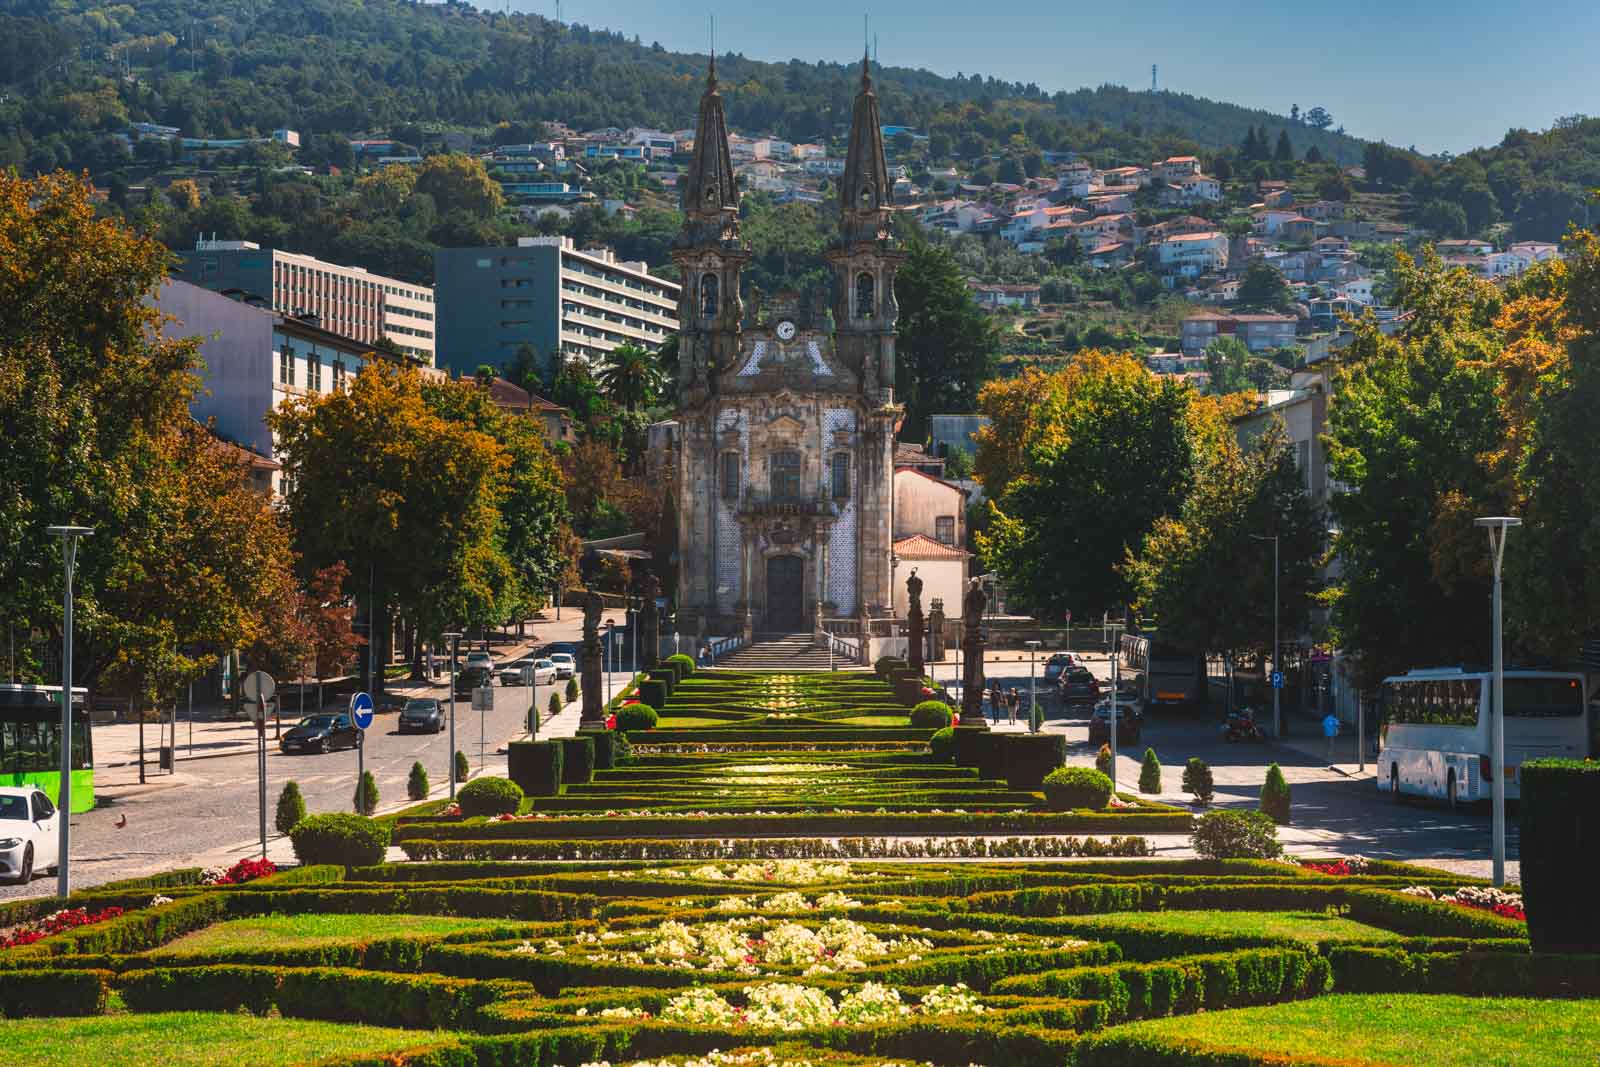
(921, 546)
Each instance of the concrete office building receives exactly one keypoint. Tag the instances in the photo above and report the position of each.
(344, 300)
(547, 294)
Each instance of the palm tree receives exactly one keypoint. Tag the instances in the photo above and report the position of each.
(632, 377)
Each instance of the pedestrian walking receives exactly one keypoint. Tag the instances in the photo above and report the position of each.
(1013, 704)
(1330, 730)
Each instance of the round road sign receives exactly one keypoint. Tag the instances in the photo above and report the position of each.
(361, 710)
(258, 686)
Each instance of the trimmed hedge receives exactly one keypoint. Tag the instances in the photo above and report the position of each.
(221, 987)
(637, 717)
(681, 664)
(1373, 969)
(536, 766)
(1031, 757)
(52, 992)
(967, 744)
(349, 840)
(606, 747)
(577, 759)
(934, 714)
(489, 796)
(991, 755)
(942, 745)
(1560, 849)
(653, 692)
(1067, 788)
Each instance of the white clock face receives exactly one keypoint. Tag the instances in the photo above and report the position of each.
(786, 330)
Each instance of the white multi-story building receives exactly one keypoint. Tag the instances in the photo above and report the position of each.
(347, 301)
(1191, 254)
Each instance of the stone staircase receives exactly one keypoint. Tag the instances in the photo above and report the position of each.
(782, 652)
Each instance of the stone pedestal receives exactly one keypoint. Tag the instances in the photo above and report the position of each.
(936, 631)
(915, 632)
(972, 655)
(593, 681)
(649, 623)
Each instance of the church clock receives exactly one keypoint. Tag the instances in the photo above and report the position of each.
(786, 330)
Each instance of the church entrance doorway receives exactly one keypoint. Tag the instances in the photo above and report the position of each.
(785, 596)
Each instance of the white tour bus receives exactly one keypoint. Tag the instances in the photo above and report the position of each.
(1436, 737)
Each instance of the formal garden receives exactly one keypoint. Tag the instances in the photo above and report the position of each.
(754, 879)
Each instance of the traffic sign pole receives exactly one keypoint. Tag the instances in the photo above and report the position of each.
(258, 690)
(361, 718)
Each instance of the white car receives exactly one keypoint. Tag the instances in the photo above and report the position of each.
(28, 833)
(481, 661)
(528, 671)
(565, 665)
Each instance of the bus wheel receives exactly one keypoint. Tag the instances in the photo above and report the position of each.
(1450, 792)
(1394, 783)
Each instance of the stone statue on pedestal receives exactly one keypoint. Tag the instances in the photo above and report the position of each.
(915, 633)
(593, 695)
(972, 652)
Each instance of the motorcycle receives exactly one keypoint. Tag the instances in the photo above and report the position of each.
(1241, 726)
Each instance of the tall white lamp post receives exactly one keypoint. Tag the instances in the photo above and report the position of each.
(454, 637)
(1277, 666)
(1498, 526)
(69, 553)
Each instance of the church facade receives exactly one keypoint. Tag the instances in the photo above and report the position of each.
(785, 422)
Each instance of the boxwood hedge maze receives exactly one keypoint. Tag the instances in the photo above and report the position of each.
(779, 872)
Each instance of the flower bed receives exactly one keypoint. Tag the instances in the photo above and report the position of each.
(59, 922)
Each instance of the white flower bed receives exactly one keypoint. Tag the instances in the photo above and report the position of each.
(778, 872)
(785, 1006)
(761, 1057)
(747, 946)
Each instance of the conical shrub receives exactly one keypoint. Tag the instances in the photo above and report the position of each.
(366, 800)
(291, 807)
(1275, 796)
(1102, 760)
(417, 784)
(1150, 772)
(1197, 780)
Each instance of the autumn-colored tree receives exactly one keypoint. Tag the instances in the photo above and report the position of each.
(407, 498)
(460, 183)
(184, 194)
(330, 617)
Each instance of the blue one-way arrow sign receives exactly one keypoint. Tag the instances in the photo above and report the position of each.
(361, 710)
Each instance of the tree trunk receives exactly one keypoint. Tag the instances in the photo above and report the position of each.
(414, 653)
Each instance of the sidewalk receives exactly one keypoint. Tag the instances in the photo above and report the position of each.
(1345, 759)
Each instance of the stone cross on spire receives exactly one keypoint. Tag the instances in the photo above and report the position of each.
(864, 191)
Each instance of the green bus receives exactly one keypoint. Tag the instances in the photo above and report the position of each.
(30, 742)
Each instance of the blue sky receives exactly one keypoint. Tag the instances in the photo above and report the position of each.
(1440, 75)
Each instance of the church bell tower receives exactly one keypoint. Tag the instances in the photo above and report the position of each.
(864, 257)
(709, 254)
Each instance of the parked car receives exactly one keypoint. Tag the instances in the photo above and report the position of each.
(1078, 687)
(566, 666)
(528, 670)
(478, 661)
(320, 733)
(1130, 723)
(421, 715)
(470, 678)
(1056, 664)
(28, 833)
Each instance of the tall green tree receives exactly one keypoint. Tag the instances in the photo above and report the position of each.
(1264, 286)
(631, 377)
(946, 346)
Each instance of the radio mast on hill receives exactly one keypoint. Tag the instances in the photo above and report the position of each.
(1152, 77)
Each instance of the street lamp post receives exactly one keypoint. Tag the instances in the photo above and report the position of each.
(1277, 667)
(69, 553)
(611, 653)
(1112, 631)
(1035, 720)
(454, 637)
(1498, 526)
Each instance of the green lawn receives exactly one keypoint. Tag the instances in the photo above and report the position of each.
(1396, 1029)
(874, 720)
(1302, 925)
(308, 931)
(670, 721)
(193, 1039)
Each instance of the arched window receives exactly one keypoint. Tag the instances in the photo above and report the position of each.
(866, 305)
(708, 295)
(785, 476)
(841, 475)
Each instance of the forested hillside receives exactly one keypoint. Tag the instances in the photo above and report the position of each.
(73, 71)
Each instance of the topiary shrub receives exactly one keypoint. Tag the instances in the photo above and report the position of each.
(463, 768)
(347, 840)
(932, 714)
(490, 796)
(1029, 758)
(1102, 760)
(577, 760)
(1236, 835)
(1150, 772)
(366, 798)
(681, 665)
(885, 666)
(554, 704)
(652, 693)
(572, 690)
(535, 766)
(417, 784)
(1068, 788)
(967, 744)
(1560, 857)
(942, 745)
(1197, 780)
(639, 716)
(291, 807)
(608, 746)
(1275, 796)
(991, 755)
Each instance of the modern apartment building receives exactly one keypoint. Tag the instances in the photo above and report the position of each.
(253, 360)
(549, 295)
(344, 300)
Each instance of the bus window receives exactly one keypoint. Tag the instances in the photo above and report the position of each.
(1544, 698)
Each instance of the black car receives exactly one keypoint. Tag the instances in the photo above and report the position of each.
(421, 715)
(472, 678)
(1130, 724)
(1078, 687)
(320, 733)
